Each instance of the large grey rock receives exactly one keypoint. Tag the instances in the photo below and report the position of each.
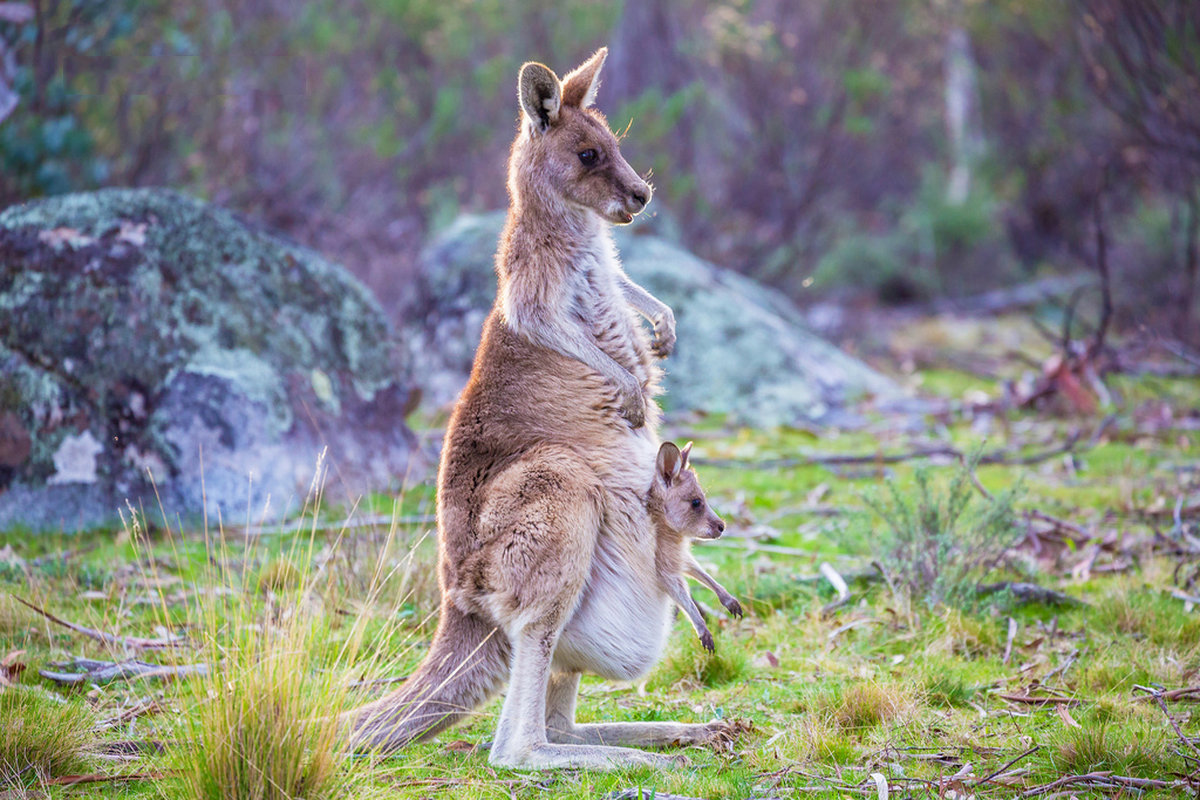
(152, 346)
(742, 349)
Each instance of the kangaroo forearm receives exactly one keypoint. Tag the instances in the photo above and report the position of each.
(677, 589)
(642, 301)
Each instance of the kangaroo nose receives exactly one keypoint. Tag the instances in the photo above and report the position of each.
(640, 195)
(721, 525)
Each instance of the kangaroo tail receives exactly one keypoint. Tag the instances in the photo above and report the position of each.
(466, 665)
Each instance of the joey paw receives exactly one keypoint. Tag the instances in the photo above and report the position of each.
(734, 607)
(706, 639)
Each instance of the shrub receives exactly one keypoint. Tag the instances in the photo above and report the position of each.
(940, 540)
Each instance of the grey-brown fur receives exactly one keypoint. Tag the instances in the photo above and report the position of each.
(680, 512)
(545, 542)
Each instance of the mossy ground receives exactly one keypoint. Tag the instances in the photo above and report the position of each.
(883, 684)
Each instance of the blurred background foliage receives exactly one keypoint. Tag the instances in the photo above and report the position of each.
(895, 151)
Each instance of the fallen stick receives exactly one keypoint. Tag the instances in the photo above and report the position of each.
(1030, 593)
(1002, 770)
(108, 671)
(1012, 634)
(1103, 779)
(839, 585)
(99, 777)
(132, 642)
(1040, 701)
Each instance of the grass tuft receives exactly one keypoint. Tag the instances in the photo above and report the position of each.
(41, 736)
(866, 704)
(689, 663)
(279, 575)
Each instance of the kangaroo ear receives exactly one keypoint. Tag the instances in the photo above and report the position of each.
(580, 85)
(669, 462)
(540, 93)
(683, 455)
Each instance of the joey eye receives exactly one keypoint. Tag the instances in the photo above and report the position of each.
(696, 503)
(588, 157)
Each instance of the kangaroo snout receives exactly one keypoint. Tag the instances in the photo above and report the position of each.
(639, 198)
(716, 526)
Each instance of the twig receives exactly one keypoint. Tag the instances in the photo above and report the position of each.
(1003, 769)
(858, 623)
(1004, 457)
(1040, 701)
(1030, 593)
(1012, 634)
(1158, 698)
(141, 709)
(839, 585)
(132, 642)
(1102, 779)
(1059, 523)
(99, 777)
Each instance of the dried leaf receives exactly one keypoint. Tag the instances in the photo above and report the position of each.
(1066, 717)
(11, 668)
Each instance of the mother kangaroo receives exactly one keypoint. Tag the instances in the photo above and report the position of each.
(545, 549)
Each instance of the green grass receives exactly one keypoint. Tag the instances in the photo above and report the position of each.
(885, 683)
(42, 736)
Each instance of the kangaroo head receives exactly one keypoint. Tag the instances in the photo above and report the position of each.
(565, 150)
(679, 496)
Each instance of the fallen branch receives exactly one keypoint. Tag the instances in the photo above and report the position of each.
(131, 642)
(142, 708)
(1002, 456)
(100, 777)
(107, 671)
(1158, 698)
(1029, 700)
(993, 774)
(1103, 780)
(1030, 593)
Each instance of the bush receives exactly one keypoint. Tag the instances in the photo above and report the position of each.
(940, 541)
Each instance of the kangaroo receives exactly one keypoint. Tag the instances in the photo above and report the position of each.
(544, 540)
(680, 512)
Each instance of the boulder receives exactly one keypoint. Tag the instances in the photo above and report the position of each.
(742, 348)
(155, 349)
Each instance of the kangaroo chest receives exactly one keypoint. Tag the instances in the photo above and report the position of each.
(600, 306)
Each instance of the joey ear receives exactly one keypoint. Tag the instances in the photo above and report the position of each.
(684, 453)
(540, 93)
(580, 85)
(669, 462)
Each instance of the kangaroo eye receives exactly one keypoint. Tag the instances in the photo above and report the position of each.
(589, 157)
(697, 503)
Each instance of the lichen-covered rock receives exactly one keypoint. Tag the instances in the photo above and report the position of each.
(152, 346)
(742, 349)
